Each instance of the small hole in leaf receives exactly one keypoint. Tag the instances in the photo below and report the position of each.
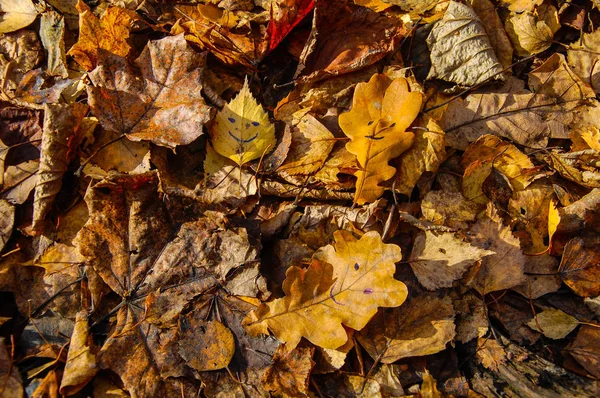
(232, 120)
(370, 123)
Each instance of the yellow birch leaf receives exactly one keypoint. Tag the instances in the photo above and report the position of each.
(344, 285)
(382, 110)
(242, 131)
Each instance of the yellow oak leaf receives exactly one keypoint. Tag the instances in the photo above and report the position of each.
(242, 131)
(344, 285)
(109, 32)
(382, 110)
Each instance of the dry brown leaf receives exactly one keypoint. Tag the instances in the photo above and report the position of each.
(542, 277)
(486, 11)
(16, 14)
(504, 269)
(108, 33)
(311, 145)
(81, 364)
(19, 181)
(61, 125)
(422, 326)
(289, 374)
(382, 110)
(52, 34)
(555, 79)
(21, 53)
(580, 268)
(164, 105)
(205, 345)
(471, 317)
(583, 58)
(461, 51)
(440, 259)
(553, 323)
(12, 386)
(448, 208)
(7, 220)
(345, 284)
(490, 353)
(425, 155)
(532, 33)
(527, 119)
(585, 350)
(346, 38)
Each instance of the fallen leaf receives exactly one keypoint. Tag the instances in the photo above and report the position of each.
(21, 53)
(285, 15)
(486, 11)
(16, 14)
(504, 269)
(447, 208)
(490, 353)
(12, 386)
(382, 110)
(422, 326)
(241, 130)
(109, 33)
(584, 349)
(555, 79)
(164, 105)
(205, 345)
(580, 268)
(7, 217)
(425, 155)
(583, 58)
(345, 38)
(553, 323)
(345, 284)
(19, 181)
(533, 33)
(440, 259)
(461, 51)
(542, 277)
(472, 319)
(518, 6)
(311, 145)
(526, 118)
(61, 125)
(52, 34)
(289, 374)
(429, 386)
(81, 364)
(581, 213)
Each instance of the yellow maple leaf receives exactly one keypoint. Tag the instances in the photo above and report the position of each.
(344, 285)
(242, 131)
(109, 32)
(382, 110)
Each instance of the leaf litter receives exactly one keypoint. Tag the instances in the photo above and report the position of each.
(299, 198)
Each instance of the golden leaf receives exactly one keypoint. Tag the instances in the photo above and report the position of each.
(533, 33)
(553, 323)
(382, 110)
(344, 285)
(16, 14)
(109, 32)
(241, 130)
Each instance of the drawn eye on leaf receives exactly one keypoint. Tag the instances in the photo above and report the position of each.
(241, 130)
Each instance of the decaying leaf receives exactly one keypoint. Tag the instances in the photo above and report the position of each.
(460, 48)
(346, 38)
(52, 34)
(585, 350)
(344, 284)
(504, 269)
(81, 364)
(7, 215)
(439, 259)
(533, 33)
(580, 268)
(422, 326)
(241, 130)
(444, 207)
(526, 118)
(21, 54)
(583, 57)
(108, 33)
(490, 353)
(382, 111)
(16, 14)
(61, 125)
(425, 155)
(164, 105)
(542, 277)
(205, 345)
(553, 323)
(289, 374)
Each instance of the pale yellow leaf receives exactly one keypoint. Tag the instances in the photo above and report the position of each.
(553, 323)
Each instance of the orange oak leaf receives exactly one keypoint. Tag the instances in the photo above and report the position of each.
(344, 285)
(382, 110)
(109, 32)
(163, 105)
